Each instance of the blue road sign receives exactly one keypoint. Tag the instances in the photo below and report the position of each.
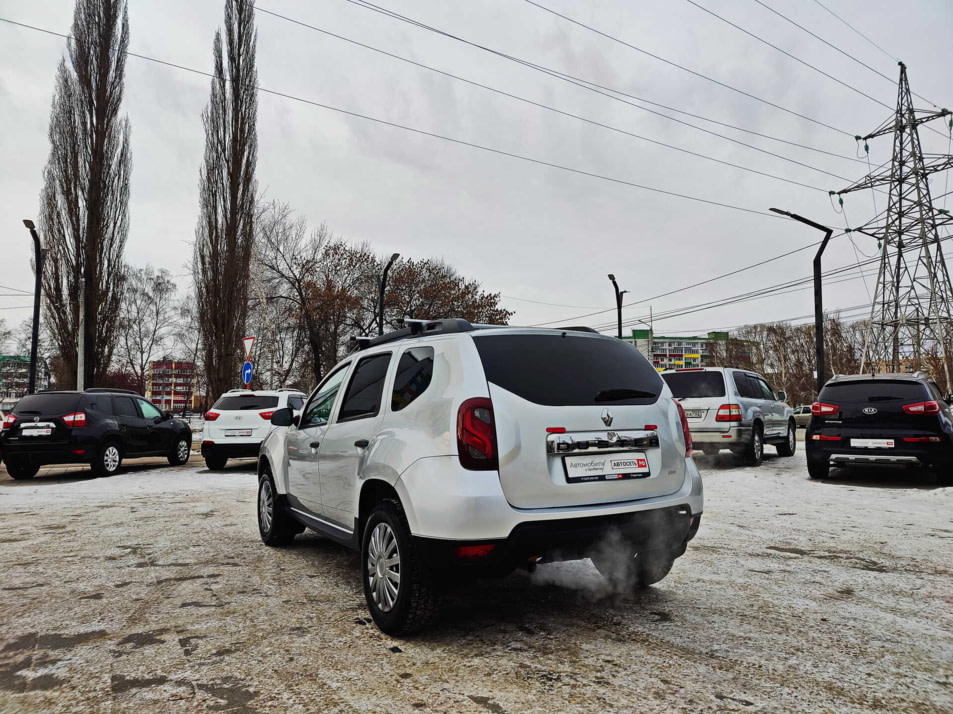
(246, 373)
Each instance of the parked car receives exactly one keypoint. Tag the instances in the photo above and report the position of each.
(880, 419)
(802, 415)
(443, 449)
(733, 409)
(239, 421)
(101, 427)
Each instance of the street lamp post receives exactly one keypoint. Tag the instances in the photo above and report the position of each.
(380, 301)
(35, 337)
(818, 296)
(618, 305)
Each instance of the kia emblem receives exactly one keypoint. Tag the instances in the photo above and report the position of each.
(870, 410)
(606, 417)
(36, 418)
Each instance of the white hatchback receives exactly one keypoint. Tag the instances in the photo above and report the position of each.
(239, 421)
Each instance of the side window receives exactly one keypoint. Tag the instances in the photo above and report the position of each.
(744, 386)
(295, 402)
(937, 393)
(125, 407)
(148, 411)
(766, 391)
(366, 389)
(319, 408)
(414, 372)
(102, 404)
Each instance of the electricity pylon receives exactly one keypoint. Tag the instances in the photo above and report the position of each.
(911, 323)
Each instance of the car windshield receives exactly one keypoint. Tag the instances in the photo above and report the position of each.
(235, 402)
(687, 385)
(568, 369)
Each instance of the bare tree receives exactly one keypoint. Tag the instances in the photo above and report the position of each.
(225, 234)
(85, 199)
(148, 317)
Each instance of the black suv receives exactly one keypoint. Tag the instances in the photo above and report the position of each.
(880, 419)
(100, 427)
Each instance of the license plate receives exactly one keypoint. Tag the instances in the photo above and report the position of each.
(872, 443)
(238, 432)
(694, 413)
(35, 432)
(606, 467)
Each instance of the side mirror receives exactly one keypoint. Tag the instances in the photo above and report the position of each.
(167, 415)
(782, 395)
(282, 417)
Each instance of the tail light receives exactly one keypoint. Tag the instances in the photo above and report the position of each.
(8, 421)
(476, 435)
(75, 419)
(922, 408)
(211, 416)
(685, 431)
(821, 409)
(474, 552)
(729, 412)
(825, 437)
(266, 415)
(929, 439)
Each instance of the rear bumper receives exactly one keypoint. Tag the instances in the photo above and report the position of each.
(905, 453)
(566, 539)
(74, 451)
(231, 451)
(734, 435)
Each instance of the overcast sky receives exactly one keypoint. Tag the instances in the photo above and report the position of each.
(543, 237)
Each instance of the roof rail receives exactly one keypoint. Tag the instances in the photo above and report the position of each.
(416, 328)
(579, 328)
(236, 390)
(94, 390)
(288, 389)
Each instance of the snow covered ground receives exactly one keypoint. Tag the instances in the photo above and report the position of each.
(150, 591)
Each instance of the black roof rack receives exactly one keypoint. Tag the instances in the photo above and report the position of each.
(416, 328)
(579, 328)
(94, 390)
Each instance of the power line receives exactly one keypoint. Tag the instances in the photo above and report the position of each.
(594, 87)
(7, 287)
(554, 109)
(433, 135)
(690, 71)
(851, 27)
(787, 54)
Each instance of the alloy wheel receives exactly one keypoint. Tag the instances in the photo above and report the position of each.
(111, 458)
(183, 450)
(383, 567)
(266, 505)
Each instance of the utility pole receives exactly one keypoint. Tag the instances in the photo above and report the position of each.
(37, 289)
(912, 311)
(618, 305)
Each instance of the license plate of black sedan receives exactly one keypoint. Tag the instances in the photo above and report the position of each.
(606, 467)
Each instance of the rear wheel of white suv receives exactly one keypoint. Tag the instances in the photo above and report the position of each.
(790, 441)
(399, 592)
(634, 571)
(754, 453)
(275, 526)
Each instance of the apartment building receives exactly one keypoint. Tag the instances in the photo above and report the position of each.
(170, 385)
(676, 352)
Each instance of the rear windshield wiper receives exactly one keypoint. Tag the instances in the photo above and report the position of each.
(613, 395)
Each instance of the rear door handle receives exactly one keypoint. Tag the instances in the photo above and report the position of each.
(361, 443)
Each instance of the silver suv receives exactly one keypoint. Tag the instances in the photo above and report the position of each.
(735, 409)
(444, 450)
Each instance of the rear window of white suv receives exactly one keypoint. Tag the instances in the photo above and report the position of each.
(695, 385)
(568, 369)
(234, 402)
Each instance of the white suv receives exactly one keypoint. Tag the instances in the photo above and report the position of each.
(238, 422)
(445, 449)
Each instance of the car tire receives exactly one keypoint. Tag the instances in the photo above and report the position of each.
(22, 470)
(401, 605)
(818, 468)
(790, 441)
(944, 472)
(754, 452)
(181, 450)
(108, 460)
(275, 526)
(709, 450)
(635, 572)
(215, 463)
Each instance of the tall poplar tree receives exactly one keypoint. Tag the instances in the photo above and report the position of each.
(85, 201)
(225, 235)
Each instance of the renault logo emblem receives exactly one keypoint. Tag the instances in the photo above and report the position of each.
(36, 418)
(606, 417)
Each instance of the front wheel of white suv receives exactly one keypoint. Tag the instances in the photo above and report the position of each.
(400, 595)
(634, 571)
